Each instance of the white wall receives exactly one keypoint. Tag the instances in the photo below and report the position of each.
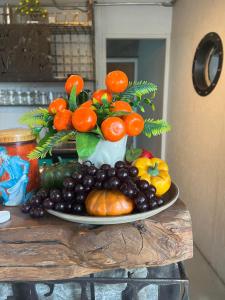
(127, 22)
(196, 145)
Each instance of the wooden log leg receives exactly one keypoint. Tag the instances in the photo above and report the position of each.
(24, 291)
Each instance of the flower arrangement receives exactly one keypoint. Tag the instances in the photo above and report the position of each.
(110, 114)
(31, 8)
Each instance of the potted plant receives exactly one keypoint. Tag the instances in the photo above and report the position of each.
(100, 126)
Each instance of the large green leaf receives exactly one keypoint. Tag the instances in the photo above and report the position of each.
(73, 99)
(86, 144)
(138, 89)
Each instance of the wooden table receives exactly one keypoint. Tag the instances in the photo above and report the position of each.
(52, 249)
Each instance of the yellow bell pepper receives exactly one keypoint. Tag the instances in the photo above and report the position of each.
(155, 171)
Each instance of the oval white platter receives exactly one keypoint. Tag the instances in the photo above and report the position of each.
(170, 198)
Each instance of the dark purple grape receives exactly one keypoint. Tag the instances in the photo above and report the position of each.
(25, 208)
(42, 193)
(106, 185)
(140, 199)
(80, 197)
(77, 177)
(152, 188)
(153, 204)
(122, 173)
(87, 189)
(68, 183)
(149, 194)
(77, 209)
(143, 207)
(98, 185)
(79, 188)
(91, 170)
(133, 171)
(160, 201)
(100, 175)
(143, 185)
(114, 183)
(68, 207)
(37, 212)
(48, 203)
(105, 167)
(36, 201)
(55, 195)
(60, 206)
(111, 172)
(88, 181)
(120, 164)
(68, 195)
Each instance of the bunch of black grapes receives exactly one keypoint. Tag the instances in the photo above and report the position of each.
(71, 197)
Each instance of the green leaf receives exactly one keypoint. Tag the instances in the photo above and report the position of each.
(155, 127)
(132, 154)
(83, 97)
(142, 109)
(138, 89)
(44, 148)
(86, 144)
(119, 113)
(39, 117)
(73, 99)
(97, 131)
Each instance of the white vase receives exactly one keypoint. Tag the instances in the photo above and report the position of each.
(108, 152)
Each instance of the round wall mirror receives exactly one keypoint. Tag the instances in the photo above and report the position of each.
(207, 64)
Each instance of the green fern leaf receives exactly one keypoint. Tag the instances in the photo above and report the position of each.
(39, 117)
(155, 127)
(138, 89)
(41, 150)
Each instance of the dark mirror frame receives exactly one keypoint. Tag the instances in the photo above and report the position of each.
(209, 44)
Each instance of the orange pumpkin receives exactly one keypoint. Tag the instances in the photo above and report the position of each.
(108, 203)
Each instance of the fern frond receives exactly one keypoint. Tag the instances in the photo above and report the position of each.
(41, 150)
(155, 127)
(36, 117)
(138, 89)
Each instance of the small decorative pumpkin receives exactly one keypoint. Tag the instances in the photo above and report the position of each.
(108, 203)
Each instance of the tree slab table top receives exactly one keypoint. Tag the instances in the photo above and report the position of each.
(53, 249)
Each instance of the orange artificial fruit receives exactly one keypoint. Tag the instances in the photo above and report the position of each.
(84, 119)
(121, 106)
(57, 105)
(113, 129)
(86, 104)
(63, 120)
(116, 81)
(74, 80)
(134, 124)
(99, 93)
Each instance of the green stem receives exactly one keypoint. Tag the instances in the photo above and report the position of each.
(153, 171)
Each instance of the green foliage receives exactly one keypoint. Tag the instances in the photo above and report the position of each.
(155, 127)
(73, 99)
(132, 154)
(83, 97)
(46, 146)
(138, 89)
(39, 117)
(86, 144)
(31, 7)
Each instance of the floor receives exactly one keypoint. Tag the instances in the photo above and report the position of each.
(204, 284)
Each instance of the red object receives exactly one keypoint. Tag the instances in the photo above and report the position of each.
(20, 142)
(63, 120)
(99, 93)
(134, 124)
(113, 129)
(84, 119)
(57, 105)
(116, 81)
(74, 80)
(146, 153)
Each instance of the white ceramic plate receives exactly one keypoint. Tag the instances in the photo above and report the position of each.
(170, 198)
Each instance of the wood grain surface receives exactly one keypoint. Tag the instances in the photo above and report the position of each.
(53, 249)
